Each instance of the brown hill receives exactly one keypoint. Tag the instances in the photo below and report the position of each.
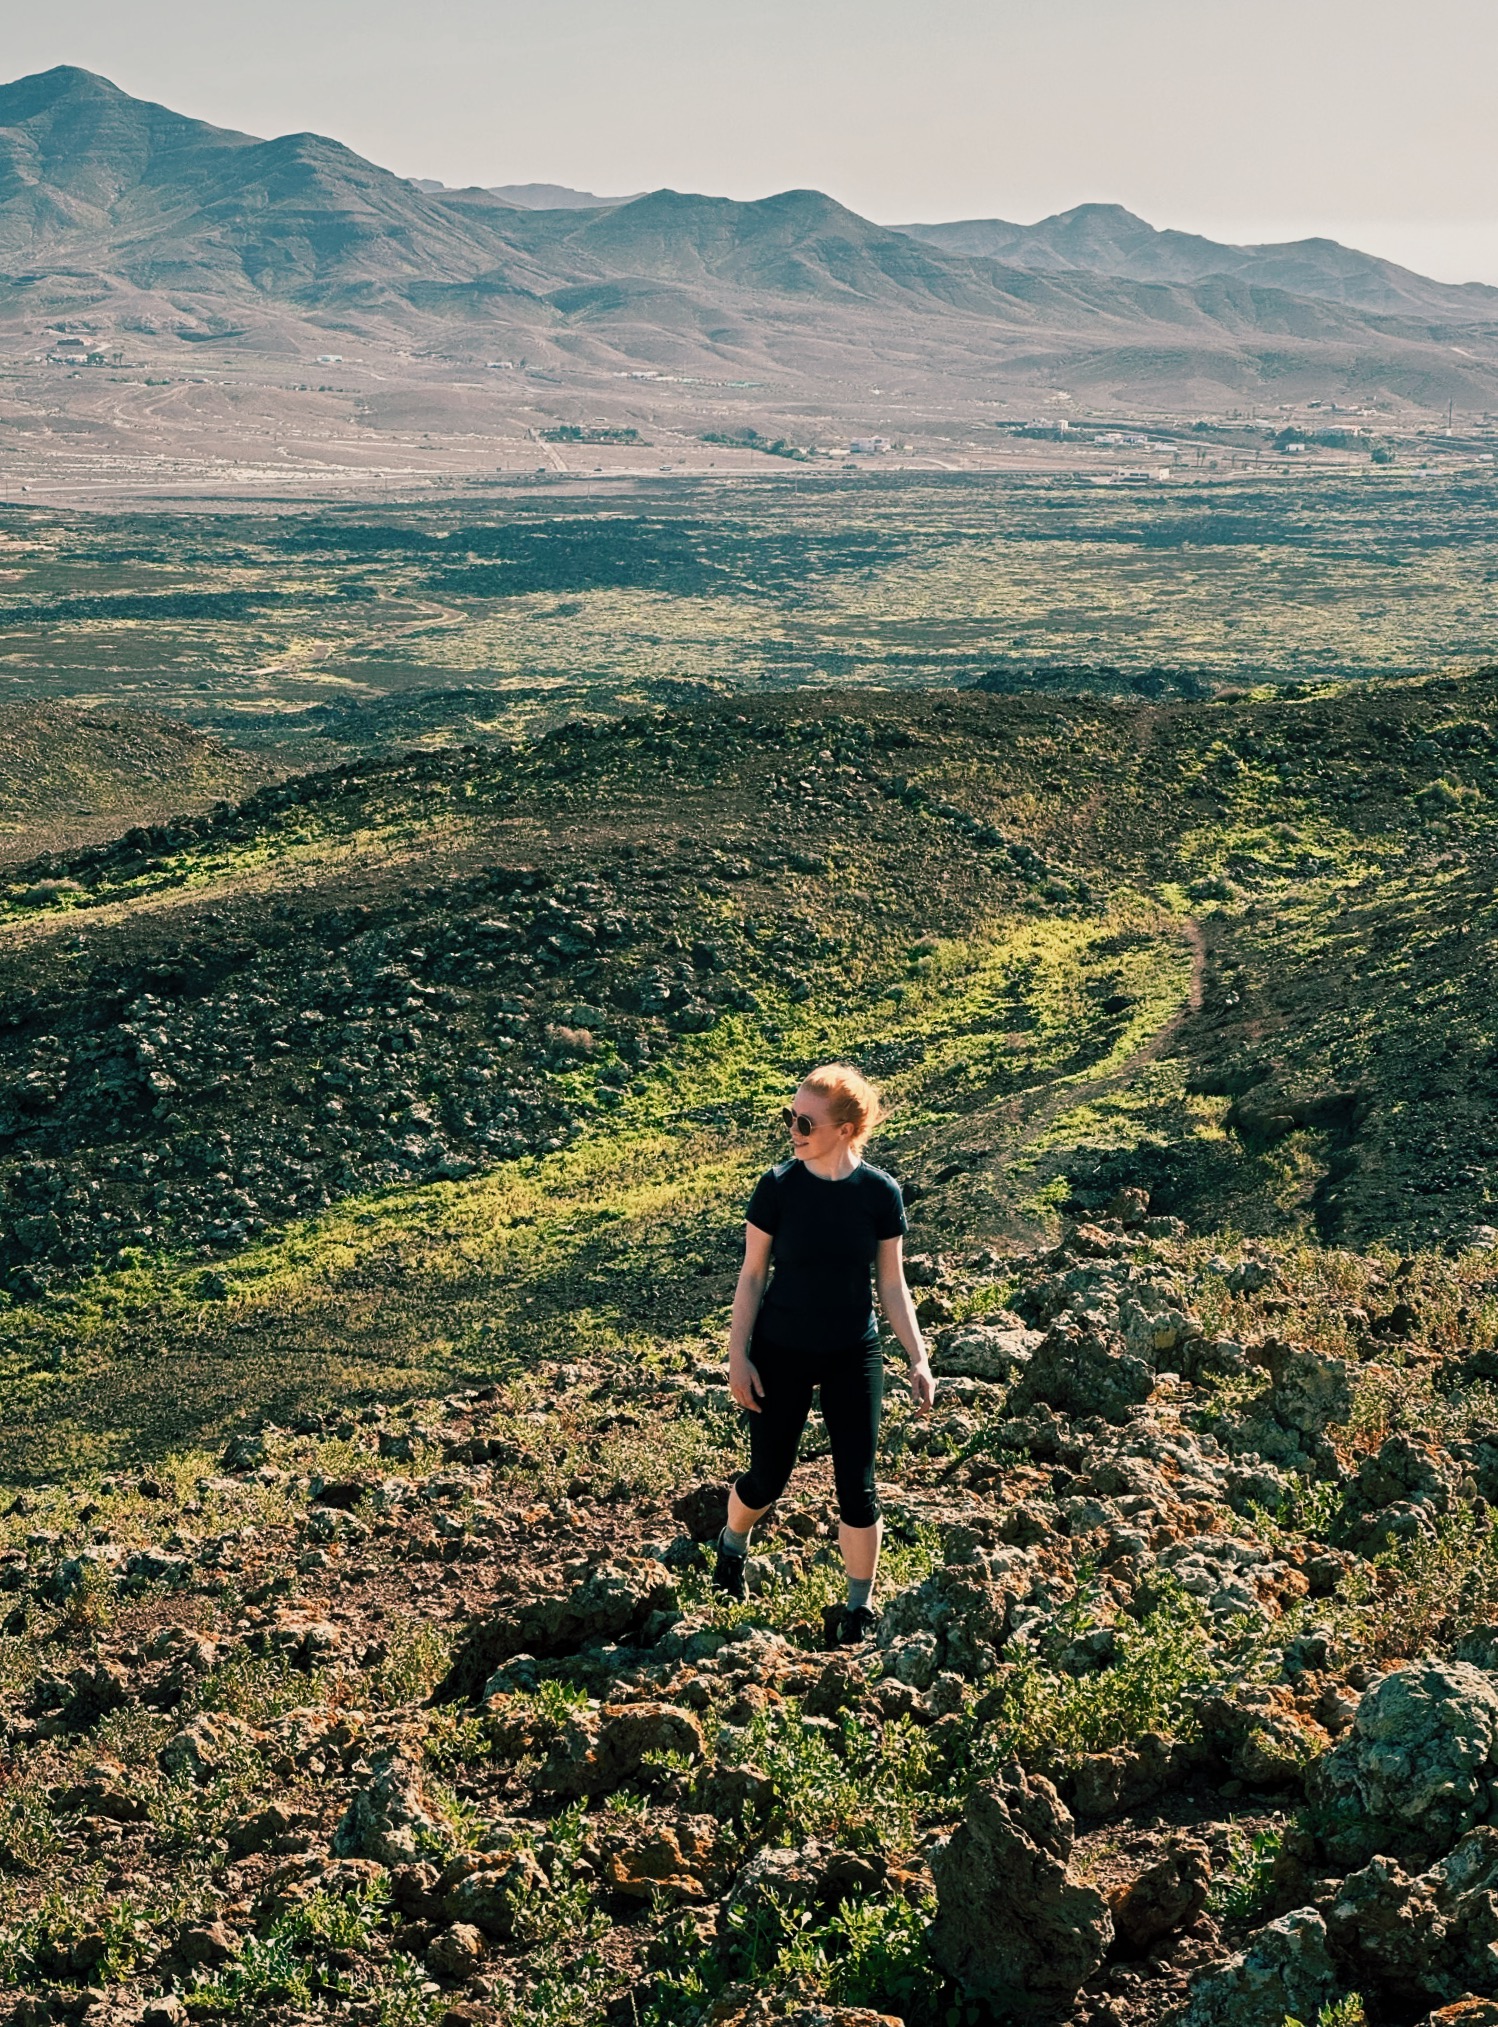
(68, 775)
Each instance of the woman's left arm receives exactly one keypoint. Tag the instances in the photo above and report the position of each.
(894, 1299)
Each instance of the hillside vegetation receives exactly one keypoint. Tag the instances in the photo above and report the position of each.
(555, 990)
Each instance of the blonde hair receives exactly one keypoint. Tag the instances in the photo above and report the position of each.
(851, 1099)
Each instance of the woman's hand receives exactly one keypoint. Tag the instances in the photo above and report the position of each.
(744, 1382)
(922, 1381)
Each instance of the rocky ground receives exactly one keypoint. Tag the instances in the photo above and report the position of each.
(1182, 1704)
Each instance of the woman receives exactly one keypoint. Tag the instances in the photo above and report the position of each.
(825, 1218)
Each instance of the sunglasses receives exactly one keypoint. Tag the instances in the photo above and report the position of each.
(797, 1122)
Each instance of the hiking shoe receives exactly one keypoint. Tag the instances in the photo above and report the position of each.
(728, 1574)
(862, 1623)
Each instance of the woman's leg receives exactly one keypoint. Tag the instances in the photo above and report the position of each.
(741, 1517)
(774, 1436)
(860, 1547)
(852, 1402)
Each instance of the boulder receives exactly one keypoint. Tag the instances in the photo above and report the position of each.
(484, 1889)
(1425, 1940)
(275, 1828)
(1285, 1971)
(455, 1953)
(747, 2005)
(388, 1819)
(702, 1510)
(1106, 1784)
(201, 1748)
(1082, 1371)
(1480, 1647)
(1395, 1494)
(1013, 1927)
(805, 1876)
(611, 1601)
(1166, 1897)
(1310, 1390)
(662, 1860)
(602, 1750)
(1416, 1771)
(207, 1945)
(991, 1351)
(842, 1685)
(1468, 2011)
(301, 1639)
(733, 1792)
(94, 1689)
(105, 1788)
(955, 1621)
(1259, 1734)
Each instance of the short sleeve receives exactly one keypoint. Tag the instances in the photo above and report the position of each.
(764, 1206)
(889, 1212)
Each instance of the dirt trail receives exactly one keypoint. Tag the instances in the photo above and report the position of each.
(978, 1159)
(1062, 1098)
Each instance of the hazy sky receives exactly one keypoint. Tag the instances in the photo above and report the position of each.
(1373, 120)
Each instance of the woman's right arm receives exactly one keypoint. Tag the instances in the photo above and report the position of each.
(743, 1380)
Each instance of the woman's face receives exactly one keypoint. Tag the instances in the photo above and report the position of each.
(826, 1138)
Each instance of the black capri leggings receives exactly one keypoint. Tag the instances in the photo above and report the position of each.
(852, 1383)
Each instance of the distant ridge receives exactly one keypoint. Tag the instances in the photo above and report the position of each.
(1107, 239)
(531, 196)
(554, 197)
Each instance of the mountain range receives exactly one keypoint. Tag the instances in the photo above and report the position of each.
(1107, 239)
(115, 210)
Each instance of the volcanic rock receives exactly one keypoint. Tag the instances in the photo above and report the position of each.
(1166, 1897)
(1286, 1970)
(1417, 1770)
(662, 1859)
(611, 1601)
(388, 1820)
(456, 1953)
(986, 1350)
(484, 1889)
(601, 1751)
(1013, 1927)
(1310, 1389)
(955, 1621)
(1080, 1371)
(702, 1511)
(1429, 1939)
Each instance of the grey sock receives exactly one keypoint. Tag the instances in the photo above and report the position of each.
(735, 1544)
(860, 1590)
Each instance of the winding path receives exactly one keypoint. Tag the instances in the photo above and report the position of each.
(1061, 1098)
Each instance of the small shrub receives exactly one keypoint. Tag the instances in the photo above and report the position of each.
(1039, 1713)
(868, 1795)
(865, 1953)
(1426, 1592)
(1241, 1892)
(1345, 2012)
(870, 1953)
(455, 1740)
(290, 1961)
(417, 1659)
(567, 1977)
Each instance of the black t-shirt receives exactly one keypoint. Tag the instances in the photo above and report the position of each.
(826, 1236)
